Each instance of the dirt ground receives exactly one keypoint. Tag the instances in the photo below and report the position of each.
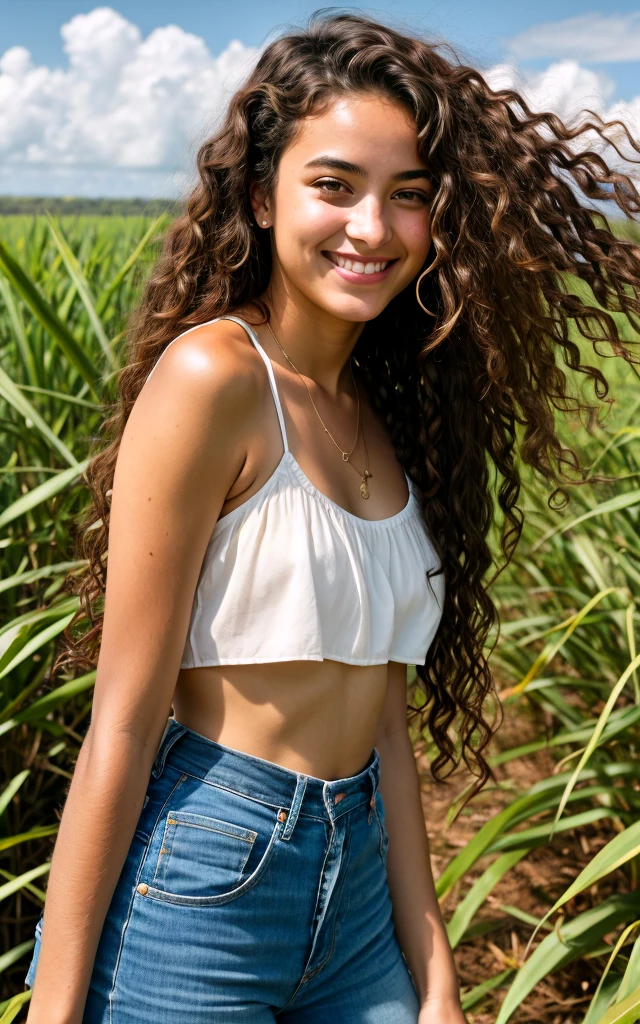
(532, 885)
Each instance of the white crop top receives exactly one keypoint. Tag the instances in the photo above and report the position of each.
(290, 575)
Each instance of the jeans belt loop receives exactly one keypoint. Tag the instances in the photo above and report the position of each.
(172, 732)
(296, 804)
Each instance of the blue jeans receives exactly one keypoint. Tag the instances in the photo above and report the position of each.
(250, 893)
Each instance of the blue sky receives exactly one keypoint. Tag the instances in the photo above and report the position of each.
(570, 52)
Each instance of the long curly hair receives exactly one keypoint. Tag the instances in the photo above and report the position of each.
(465, 365)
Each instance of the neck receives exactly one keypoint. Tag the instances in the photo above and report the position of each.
(318, 343)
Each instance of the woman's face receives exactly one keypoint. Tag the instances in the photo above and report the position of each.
(350, 213)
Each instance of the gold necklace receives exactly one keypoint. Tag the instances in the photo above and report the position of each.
(346, 455)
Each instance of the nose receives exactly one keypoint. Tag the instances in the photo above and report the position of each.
(368, 223)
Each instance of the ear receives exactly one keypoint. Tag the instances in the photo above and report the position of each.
(260, 205)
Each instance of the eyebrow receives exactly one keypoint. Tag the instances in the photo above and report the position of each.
(344, 165)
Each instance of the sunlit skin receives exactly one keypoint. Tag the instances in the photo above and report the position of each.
(324, 204)
(352, 184)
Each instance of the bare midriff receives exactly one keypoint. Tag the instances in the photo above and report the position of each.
(315, 717)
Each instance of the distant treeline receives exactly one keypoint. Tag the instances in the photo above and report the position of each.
(60, 206)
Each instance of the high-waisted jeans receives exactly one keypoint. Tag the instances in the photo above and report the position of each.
(250, 893)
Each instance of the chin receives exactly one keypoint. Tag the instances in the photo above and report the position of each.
(351, 307)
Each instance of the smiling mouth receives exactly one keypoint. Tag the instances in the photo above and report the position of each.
(358, 266)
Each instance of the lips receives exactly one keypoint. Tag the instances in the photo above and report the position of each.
(358, 265)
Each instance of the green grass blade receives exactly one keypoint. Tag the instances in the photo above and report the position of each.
(36, 642)
(576, 938)
(597, 731)
(19, 579)
(617, 504)
(19, 332)
(631, 640)
(40, 708)
(23, 406)
(621, 849)
(128, 264)
(489, 832)
(81, 283)
(626, 1012)
(12, 788)
(41, 832)
(40, 894)
(12, 956)
(614, 952)
(552, 649)
(43, 492)
(601, 1001)
(539, 833)
(14, 1006)
(47, 317)
(18, 883)
(474, 995)
(631, 974)
(618, 722)
(467, 908)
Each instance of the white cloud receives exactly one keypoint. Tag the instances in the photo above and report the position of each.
(565, 87)
(125, 108)
(126, 114)
(568, 89)
(593, 38)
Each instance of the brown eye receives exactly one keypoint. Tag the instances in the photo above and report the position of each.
(412, 194)
(329, 185)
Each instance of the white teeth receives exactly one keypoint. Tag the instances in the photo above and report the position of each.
(357, 267)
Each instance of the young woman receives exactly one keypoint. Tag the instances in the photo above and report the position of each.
(366, 300)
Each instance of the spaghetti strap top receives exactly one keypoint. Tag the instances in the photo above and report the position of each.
(290, 575)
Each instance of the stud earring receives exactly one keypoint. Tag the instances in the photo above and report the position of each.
(264, 223)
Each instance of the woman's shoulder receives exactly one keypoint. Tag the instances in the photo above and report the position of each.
(210, 380)
(216, 348)
(218, 354)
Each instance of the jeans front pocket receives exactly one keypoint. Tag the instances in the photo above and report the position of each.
(200, 855)
(209, 846)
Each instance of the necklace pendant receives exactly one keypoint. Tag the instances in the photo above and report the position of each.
(364, 488)
(345, 456)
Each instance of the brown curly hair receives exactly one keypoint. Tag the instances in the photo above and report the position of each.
(465, 379)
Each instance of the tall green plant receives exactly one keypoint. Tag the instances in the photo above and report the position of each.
(66, 287)
(568, 643)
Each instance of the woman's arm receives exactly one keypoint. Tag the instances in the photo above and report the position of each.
(416, 915)
(182, 449)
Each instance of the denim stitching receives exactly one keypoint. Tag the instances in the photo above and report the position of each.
(384, 838)
(235, 792)
(305, 977)
(131, 901)
(264, 800)
(294, 811)
(166, 745)
(170, 829)
(227, 897)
